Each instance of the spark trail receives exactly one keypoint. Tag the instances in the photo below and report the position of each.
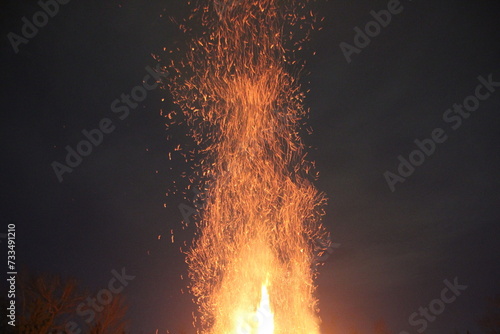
(251, 262)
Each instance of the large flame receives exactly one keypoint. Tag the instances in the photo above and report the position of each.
(251, 263)
(261, 321)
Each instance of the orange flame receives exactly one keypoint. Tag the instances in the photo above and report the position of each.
(251, 263)
(261, 321)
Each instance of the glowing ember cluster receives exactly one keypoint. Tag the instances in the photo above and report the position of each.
(251, 262)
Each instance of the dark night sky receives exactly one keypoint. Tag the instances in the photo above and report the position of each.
(396, 248)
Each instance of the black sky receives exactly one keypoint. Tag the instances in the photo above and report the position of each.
(396, 248)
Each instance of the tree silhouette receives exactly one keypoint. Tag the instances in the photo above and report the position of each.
(490, 323)
(46, 301)
(112, 319)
